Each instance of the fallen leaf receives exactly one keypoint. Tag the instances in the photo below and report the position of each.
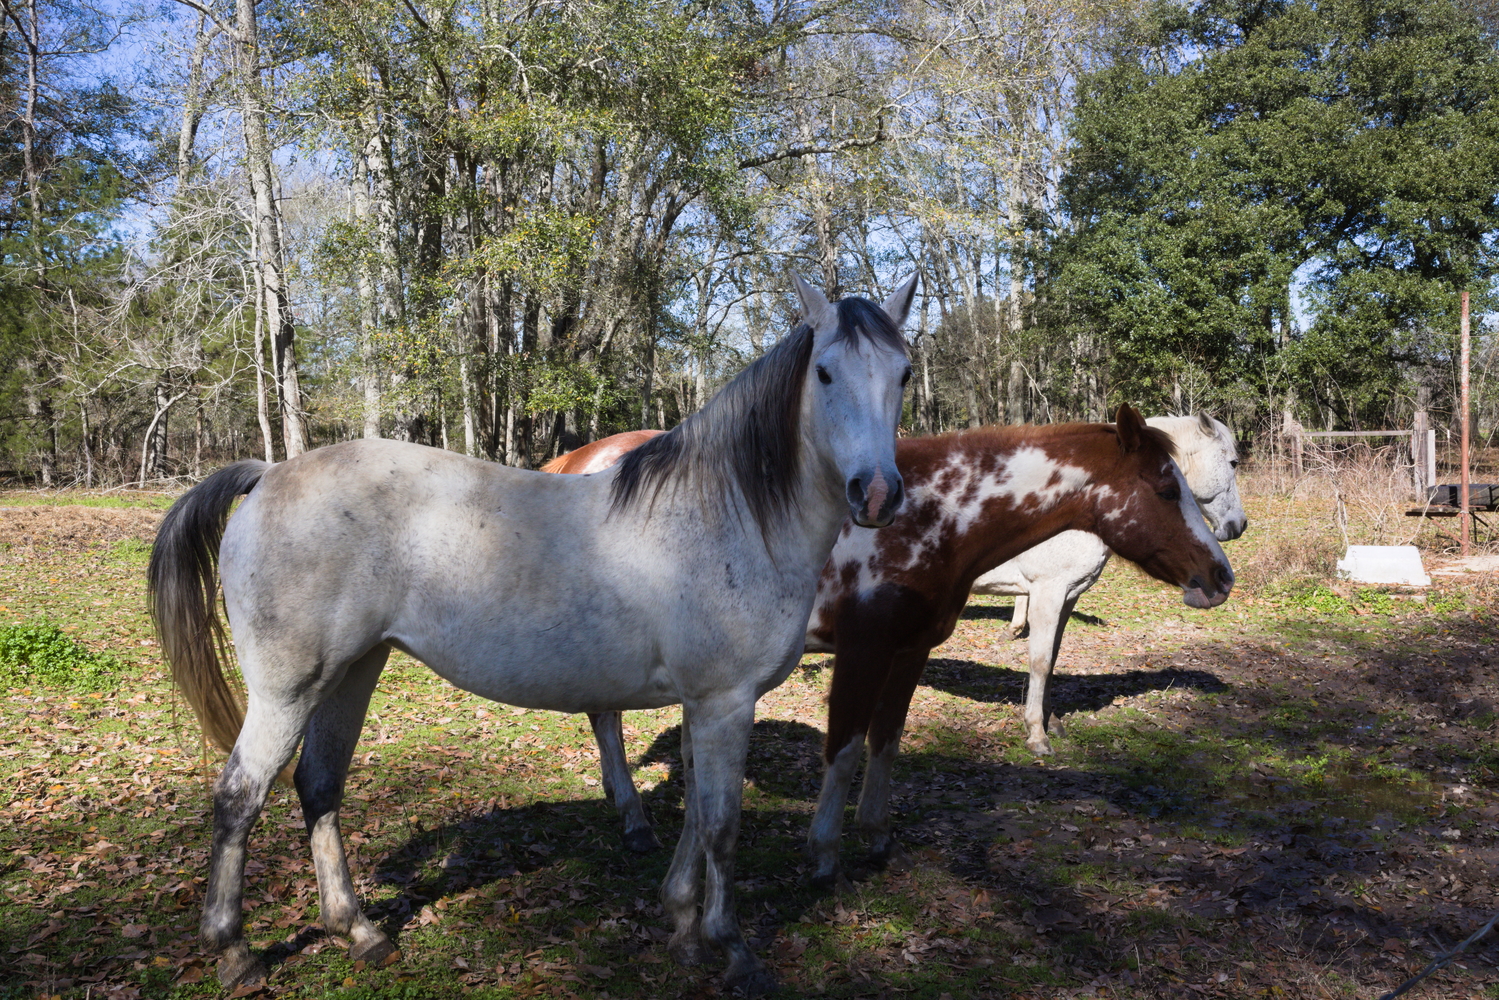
(134, 930)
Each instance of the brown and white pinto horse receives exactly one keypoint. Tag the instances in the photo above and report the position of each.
(975, 499)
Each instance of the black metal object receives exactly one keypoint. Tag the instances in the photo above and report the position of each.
(1481, 496)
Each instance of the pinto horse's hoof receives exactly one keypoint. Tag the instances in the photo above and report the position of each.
(237, 967)
(642, 841)
(752, 982)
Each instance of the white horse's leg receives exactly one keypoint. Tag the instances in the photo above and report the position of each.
(1020, 615)
(608, 732)
(679, 893)
(720, 743)
(1051, 609)
(266, 743)
(827, 823)
(321, 772)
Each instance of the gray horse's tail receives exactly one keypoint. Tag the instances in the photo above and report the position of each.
(182, 593)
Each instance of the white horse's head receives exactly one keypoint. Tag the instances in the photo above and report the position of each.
(852, 398)
(1208, 458)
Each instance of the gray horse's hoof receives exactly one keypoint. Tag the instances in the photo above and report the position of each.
(752, 982)
(642, 841)
(239, 968)
(376, 951)
(1056, 728)
(687, 950)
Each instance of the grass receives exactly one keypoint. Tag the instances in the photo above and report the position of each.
(1288, 748)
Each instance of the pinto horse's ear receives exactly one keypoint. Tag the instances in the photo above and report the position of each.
(1130, 426)
(898, 305)
(813, 301)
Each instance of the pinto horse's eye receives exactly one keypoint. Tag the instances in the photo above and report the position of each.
(906, 378)
(823, 376)
(1171, 495)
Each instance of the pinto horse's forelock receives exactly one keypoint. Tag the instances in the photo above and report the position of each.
(750, 433)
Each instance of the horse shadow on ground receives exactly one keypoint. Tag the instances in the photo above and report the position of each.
(1006, 613)
(1070, 692)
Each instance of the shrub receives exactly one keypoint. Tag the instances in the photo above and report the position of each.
(38, 652)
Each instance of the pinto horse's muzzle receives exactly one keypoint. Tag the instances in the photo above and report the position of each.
(873, 497)
(1200, 593)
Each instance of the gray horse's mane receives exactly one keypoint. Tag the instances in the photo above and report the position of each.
(749, 434)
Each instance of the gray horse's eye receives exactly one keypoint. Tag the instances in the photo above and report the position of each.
(823, 376)
(1234, 464)
(906, 378)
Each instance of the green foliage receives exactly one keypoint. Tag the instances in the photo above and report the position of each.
(39, 652)
(1349, 145)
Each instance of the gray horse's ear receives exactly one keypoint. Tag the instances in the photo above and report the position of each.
(1206, 422)
(813, 301)
(898, 305)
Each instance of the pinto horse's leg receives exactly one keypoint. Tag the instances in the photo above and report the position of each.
(321, 772)
(265, 745)
(873, 814)
(608, 731)
(720, 742)
(1052, 608)
(861, 665)
(1020, 615)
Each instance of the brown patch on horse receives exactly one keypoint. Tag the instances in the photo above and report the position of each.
(596, 456)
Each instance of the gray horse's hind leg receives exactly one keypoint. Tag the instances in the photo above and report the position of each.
(321, 772)
(1049, 614)
(265, 745)
(608, 731)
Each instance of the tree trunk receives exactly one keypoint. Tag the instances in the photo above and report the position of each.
(267, 225)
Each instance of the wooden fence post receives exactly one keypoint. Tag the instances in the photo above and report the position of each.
(1423, 459)
(1293, 434)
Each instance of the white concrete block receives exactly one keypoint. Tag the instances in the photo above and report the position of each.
(1383, 564)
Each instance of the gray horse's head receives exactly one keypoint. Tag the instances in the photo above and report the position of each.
(1209, 459)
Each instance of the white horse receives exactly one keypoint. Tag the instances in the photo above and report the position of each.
(684, 575)
(1046, 581)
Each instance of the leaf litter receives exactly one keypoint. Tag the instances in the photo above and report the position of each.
(1260, 801)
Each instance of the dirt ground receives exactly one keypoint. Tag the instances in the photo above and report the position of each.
(1295, 795)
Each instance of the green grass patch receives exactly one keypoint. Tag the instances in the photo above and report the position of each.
(39, 652)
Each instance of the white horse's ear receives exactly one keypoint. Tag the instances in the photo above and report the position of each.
(1207, 423)
(813, 301)
(898, 305)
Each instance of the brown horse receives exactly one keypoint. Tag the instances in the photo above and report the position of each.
(596, 456)
(975, 499)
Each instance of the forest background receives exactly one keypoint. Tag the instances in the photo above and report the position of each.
(231, 229)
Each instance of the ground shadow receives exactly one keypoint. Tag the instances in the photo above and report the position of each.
(990, 612)
(1070, 692)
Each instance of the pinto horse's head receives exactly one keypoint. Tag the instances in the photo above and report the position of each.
(1149, 516)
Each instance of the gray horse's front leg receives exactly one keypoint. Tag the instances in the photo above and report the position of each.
(679, 893)
(619, 787)
(1050, 610)
(720, 743)
(320, 776)
(265, 745)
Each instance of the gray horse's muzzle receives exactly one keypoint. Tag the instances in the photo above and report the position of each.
(873, 497)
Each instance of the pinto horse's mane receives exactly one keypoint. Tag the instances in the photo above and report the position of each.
(994, 436)
(749, 435)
